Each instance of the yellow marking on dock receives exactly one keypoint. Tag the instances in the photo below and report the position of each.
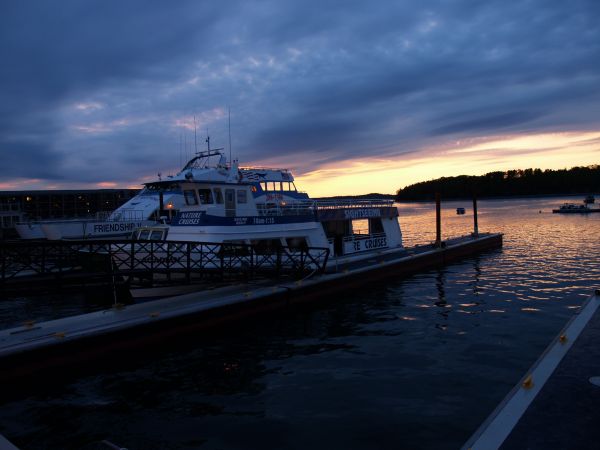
(528, 383)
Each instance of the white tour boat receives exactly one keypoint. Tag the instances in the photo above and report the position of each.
(225, 203)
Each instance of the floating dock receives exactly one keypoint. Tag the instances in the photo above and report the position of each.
(555, 404)
(35, 346)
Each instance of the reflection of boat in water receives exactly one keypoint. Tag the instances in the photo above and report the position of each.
(460, 211)
(225, 203)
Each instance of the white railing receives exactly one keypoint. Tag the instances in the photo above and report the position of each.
(359, 237)
(125, 215)
(353, 203)
(306, 207)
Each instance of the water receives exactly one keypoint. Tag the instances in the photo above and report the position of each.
(414, 363)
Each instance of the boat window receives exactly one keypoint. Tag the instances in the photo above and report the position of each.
(375, 225)
(190, 197)
(218, 195)
(254, 189)
(272, 186)
(205, 196)
(156, 235)
(296, 243)
(293, 186)
(229, 198)
(143, 236)
(285, 186)
(263, 185)
(265, 246)
(360, 226)
(241, 196)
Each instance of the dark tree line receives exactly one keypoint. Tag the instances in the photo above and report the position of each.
(578, 180)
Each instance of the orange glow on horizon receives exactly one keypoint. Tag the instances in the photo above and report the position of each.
(358, 176)
(473, 157)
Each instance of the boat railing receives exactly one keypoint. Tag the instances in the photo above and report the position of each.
(309, 207)
(270, 169)
(125, 215)
(302, 208)
(353, 203)
(359, 237)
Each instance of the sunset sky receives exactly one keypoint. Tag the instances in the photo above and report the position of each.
(354, 97)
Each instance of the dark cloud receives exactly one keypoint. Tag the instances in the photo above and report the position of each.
(338, 79)
(490, 123)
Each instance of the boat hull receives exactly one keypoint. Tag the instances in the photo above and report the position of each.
(30, 230)
(90, 229)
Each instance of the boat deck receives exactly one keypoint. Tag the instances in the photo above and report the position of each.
(555, 405)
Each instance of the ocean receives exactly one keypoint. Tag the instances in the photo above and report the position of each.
(410, 363)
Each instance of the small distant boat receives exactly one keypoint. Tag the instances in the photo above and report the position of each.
(575, 208)
(460, 211)
(589, 200)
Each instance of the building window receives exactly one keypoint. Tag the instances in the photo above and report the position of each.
(190, 197)
(241, 196)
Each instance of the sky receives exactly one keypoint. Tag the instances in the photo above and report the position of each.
(355, 97)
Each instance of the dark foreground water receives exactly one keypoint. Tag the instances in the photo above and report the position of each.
(414, 363)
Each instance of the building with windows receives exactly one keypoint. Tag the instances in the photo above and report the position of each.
(16, 206)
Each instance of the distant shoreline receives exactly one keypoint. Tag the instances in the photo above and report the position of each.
(504, 197)
(430, 200)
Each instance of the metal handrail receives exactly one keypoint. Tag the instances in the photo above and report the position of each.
(28, 260)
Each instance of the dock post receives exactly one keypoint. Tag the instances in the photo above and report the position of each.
(438, 221)
(475, 227)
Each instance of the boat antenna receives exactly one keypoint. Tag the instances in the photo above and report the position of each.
(229, 114)
(195, 144)
(207, 140)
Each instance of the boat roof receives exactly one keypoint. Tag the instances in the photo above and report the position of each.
(203, 168)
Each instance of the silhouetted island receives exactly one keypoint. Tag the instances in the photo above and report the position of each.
(577, 180)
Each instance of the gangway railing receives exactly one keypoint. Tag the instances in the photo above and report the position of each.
(151, 262)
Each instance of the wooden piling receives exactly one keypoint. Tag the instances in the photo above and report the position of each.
(438, 220)
(475, 226)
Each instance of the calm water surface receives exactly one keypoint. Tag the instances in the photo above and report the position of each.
(414, 363)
